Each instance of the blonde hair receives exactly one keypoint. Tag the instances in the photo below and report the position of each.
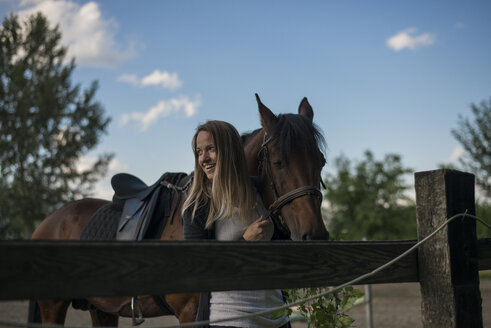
(231, 186)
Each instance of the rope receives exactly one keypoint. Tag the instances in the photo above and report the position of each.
(286, 306)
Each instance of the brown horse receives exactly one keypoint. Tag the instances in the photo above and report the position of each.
(286, 156)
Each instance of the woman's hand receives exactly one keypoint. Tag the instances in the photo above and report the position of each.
(261, 229)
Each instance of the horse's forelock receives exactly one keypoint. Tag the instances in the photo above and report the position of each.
(296, 131)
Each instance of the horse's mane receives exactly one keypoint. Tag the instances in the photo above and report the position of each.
(248, 136)
(295, 131)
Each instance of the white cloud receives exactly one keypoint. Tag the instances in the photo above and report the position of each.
(102, 189)
(164, 79)
(459, 25)
(457, 153)
(129, 78)
(90, 37)
(85, 163)
(408, 39)
(162, 109)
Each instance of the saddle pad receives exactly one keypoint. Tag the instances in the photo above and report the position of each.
(102, 225)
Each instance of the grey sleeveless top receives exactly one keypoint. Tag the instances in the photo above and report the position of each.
(233, 303)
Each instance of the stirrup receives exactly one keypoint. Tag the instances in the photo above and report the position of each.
(136, 320)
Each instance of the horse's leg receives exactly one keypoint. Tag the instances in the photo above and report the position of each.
(103, 319)
(188, 313)
(33, 313)
(63, 224)
(53, 311)
(185, 306)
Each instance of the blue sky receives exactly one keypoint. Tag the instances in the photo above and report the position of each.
(388, 76)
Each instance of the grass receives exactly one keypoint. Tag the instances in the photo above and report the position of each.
(486, 274)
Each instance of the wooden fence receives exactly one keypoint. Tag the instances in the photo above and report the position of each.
(446, 266)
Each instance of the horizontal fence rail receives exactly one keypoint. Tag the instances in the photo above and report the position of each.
(77, 269)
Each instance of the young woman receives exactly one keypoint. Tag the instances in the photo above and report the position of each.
(224, 205)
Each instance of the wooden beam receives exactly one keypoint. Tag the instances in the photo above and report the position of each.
(76, 269)
(448, 263)
(484, 253)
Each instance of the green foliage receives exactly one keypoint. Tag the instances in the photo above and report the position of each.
(46, 125)
(328, 311)
(485, 274)
(369, 200)
(483, 211)
(475, 137)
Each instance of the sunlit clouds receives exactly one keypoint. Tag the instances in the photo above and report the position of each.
(163, 79)
(457, 153)
(410, 39)
(102, 189)
(89, 36)
(459, 25)
(163, 108)
(129, 78)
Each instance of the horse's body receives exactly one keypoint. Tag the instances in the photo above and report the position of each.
(287, 153)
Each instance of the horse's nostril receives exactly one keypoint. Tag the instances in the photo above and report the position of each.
(311, 235)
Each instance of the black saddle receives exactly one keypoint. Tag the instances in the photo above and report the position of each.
(137, 212)
(142, 205)
(127, 186)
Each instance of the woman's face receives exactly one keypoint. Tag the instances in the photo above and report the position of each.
(206, 152)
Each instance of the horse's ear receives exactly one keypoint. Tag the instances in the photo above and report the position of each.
(268, 119)
(305, 109)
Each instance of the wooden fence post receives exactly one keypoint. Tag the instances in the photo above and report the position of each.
(448, 263)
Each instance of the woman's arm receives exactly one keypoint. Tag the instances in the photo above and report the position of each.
(261, 229)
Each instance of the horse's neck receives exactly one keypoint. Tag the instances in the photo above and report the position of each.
(251, 149)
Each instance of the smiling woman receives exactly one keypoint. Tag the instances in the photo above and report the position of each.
(221, 180)
(206, 151)
(223, 205)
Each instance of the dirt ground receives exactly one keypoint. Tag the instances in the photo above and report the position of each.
(393, 305)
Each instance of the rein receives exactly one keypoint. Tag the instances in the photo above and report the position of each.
(275, 209)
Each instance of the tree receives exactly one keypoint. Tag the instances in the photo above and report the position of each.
(46, 125)
(475, 137)
(368, 200)
(483, 211)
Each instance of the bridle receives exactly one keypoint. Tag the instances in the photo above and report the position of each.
(275, 209)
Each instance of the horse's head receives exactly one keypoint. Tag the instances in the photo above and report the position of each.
(286, 156)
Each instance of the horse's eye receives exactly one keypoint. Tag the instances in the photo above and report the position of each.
(278, 164)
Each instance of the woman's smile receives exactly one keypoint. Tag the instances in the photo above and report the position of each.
(206, 152)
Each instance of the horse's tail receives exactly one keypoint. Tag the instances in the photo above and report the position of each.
(34, 312)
